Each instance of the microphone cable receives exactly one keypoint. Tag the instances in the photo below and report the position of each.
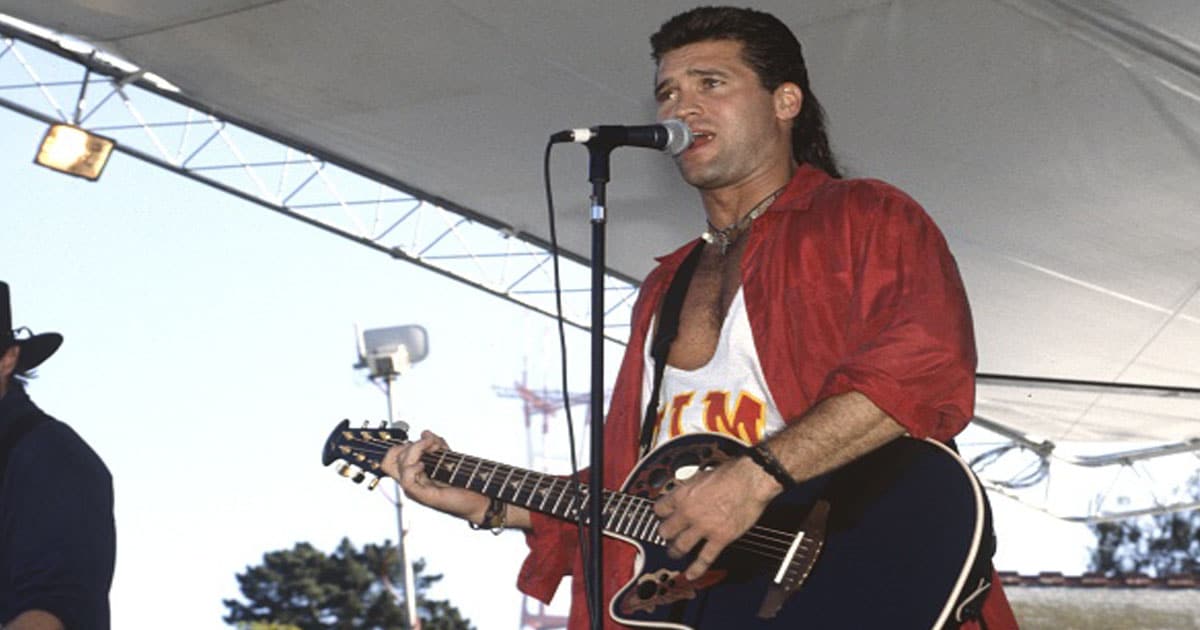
(595, 593)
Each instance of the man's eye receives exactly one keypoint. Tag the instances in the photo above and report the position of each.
(665, 96)
(711, 83)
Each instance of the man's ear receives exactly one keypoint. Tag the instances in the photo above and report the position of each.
(788, 99)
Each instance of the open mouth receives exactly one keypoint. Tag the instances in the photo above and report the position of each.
(700, 138)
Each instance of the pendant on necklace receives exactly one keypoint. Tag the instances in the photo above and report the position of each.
(722, 238)
(725, 237)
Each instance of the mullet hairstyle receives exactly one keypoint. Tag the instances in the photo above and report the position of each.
(770, 48)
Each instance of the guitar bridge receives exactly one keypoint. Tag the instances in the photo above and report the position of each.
(798, 562)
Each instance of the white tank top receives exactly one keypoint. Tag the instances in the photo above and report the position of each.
(727, 395)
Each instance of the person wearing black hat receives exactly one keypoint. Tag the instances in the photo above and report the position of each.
(57, 534)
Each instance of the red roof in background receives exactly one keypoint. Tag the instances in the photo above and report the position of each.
(1097, 580)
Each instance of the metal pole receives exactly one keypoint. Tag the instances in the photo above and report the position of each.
(410, 590)
(598, 174)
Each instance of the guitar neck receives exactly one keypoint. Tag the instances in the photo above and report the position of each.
(623, 514)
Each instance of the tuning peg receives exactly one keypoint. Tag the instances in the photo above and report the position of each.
(358, 477)
(344, 470)
(374, 482)
(382, 424)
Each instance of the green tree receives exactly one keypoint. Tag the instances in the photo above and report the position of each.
(1158, 545)
(309, 589)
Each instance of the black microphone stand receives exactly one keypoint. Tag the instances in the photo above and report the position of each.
(598, 175)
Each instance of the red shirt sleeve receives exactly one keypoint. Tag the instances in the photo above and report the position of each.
(911, 337)
(553, 545)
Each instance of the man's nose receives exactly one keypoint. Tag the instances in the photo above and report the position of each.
(687, 104)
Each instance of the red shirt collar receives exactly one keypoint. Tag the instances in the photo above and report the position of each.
(797, 195)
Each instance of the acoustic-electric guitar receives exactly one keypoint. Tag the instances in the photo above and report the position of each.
(886, 541)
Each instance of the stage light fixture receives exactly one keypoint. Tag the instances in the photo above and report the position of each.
(71, 150)
(390, 352)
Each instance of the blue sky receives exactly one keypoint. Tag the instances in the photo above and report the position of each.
(208, 353)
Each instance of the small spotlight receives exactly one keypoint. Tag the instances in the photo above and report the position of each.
(73, 151)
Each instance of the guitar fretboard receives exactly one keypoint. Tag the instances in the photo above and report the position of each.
(623, 514)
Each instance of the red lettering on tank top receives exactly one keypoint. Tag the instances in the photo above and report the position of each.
(745, 421)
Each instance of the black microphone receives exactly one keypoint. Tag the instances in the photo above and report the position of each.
(671, 136)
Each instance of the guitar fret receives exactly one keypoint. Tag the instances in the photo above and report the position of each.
(572, 512)
(507, 481)
(457, 465)
(533, 491)
(474, 471)
(561, 493)
(612, 512)
(437, 467)
(573, 494)
(546, 494)
(623, 515)
(487, 479)
(640, 518)
(652, 534)
(520, 487)
(584, 500)
(637, 516)
(606, 512)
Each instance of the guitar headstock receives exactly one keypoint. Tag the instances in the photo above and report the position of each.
(360, 450)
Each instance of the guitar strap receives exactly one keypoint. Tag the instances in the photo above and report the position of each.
(668, 329)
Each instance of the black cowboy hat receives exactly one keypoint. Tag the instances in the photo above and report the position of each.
(34, 348)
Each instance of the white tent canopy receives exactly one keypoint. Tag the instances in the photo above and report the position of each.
(1056, 143)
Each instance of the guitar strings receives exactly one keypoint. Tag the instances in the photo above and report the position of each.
(760, 540)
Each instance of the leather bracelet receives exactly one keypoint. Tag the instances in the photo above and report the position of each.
(494, 517)
(766, 460)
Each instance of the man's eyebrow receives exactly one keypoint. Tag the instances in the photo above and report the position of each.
(706, 72)
(694, 72)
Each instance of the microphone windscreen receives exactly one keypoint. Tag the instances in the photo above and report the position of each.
(679, 136)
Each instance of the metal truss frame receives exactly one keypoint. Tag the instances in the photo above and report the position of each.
(1021, 467)
(53, 78)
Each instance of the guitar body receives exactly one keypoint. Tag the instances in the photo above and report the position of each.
(903, 529)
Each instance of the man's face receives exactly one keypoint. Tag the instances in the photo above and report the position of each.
(741, 128)
(8, 364)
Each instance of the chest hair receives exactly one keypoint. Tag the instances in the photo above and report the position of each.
(711, 291)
